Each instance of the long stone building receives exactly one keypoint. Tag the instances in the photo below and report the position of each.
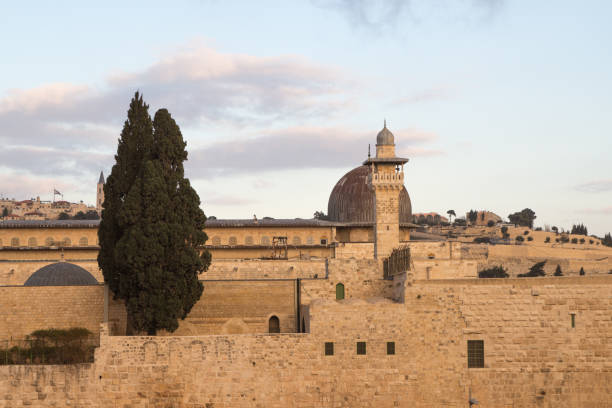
(303, 313)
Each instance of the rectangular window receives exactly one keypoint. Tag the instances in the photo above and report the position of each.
(573, 316)
(475, 349)
(361, 347)
(390, 348)
(329, 348)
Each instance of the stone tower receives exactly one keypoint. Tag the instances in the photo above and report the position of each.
(100, 194)
(386, 179)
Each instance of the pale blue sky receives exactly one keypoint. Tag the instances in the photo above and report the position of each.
(499, 105)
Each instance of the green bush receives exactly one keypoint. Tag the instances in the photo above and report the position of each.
(494, 272)
(529, 238)
(547, 240)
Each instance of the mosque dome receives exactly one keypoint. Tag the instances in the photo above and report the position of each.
(385, 137)
(61, 274)
(352, 201)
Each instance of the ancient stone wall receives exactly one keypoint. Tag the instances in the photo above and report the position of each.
(26, 309)
(361, 250)
(17, 271)
(264, 269)
(532, 355)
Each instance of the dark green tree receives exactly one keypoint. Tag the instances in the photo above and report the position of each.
(5, 211)
(536, 270)
(151, 234)
(579, 229)
(451, 214)
(558, 271)
(472, 216)
(524, 218)
(320, 215)
(494, 272)
(607, 240)
(581, 271)
(63, 216)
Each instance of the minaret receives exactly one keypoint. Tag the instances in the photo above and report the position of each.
(386, 178)
(100, 194)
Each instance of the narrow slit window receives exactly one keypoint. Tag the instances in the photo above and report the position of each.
(573, 317)
(475, 349)
(361, 347)
(339, 291)
(390, 348)
(329, 348)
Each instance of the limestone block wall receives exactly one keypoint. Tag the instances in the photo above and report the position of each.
(264, 269)
(444, 269)
(362, 278)
(26, 309)
(360, 250)
(40, 237)
(532, 358)
(245, 306)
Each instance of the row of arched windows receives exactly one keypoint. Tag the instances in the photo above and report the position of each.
(265, 240)
(33, 242)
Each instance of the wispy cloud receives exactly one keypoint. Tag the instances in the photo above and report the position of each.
(300, 148)
(381, 16)
(597, 186)
(598, 211)
(426, 95)
(64, 129)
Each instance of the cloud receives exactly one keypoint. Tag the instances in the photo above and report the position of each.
(227, 200)
(300, 148)
(598, 186)
(598, 211)
(20, 186)
(64, 128)
(426, 95)
(377, 16)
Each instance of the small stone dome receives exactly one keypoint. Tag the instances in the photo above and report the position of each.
(385, 137)
(61, 274)
(352, 201)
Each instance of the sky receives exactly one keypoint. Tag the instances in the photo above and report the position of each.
(499, 105)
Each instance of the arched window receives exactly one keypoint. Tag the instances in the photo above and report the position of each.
(265, 240)
(66, 242)
(297, 241)
(216, 241)
(32, 242)
(233, 241)
(49, 241)
(83, 241)
(339, 291)
(273, 325)
(310, 240)
(248, 240)
(15, 242)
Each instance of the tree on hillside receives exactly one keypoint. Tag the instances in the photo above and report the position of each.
(451, 214)
(320, 215)
(558, 271)
(494, 272)
(579, 229)
(524, 218)
(89, 215)
(5, 212)
(536, 270)
(63, 216)
(151, 233)
(581, 271)
(607, 240)
(472, 216)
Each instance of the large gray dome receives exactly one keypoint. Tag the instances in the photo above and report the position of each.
(61, 274)
(352, 201)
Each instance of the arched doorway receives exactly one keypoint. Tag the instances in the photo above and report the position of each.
(273, 325)
(339, 291)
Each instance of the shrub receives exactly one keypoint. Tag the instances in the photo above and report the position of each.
(494, 272)
(539, 229)
(547, 239)
(558, 271)
(529, 238)
(482, 240)
(526, 232)
(582, 240)
(564, 238)
(574, 240)
(491, 223)
(581, 271)
(536, 270)
(591, 241)
(520, 238)
(557, 240)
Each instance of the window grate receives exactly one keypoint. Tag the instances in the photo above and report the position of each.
(329, 348)
(361, 347)
(475, 349)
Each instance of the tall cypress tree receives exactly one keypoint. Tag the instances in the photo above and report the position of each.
(155, 255)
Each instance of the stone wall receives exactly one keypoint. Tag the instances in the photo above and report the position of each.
(533, 357)
(264, 269)
(17, 271)
(361, 250)
(26, 309)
